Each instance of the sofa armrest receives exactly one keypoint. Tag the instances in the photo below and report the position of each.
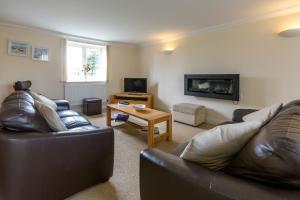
(54, 164)
(238, 114)
(166, 176)
(62, 104)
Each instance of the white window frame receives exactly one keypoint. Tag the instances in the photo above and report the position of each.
(85, 44)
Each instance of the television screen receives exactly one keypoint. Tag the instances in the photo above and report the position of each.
(138, 85)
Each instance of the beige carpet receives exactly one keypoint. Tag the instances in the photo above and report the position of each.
(124, 185)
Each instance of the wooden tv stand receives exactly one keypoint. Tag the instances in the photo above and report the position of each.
(134, 98)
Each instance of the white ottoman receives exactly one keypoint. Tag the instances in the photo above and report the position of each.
(188, 113)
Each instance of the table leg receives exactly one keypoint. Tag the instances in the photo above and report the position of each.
(150, 134)
(108, 116)
(169, 129)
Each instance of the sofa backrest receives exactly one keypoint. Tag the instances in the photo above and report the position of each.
(18, 113)
(273, 155)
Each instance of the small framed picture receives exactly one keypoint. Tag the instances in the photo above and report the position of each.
(17, 48)
(40, 54)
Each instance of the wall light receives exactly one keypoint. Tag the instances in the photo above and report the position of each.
(168, 51)
(292, 32)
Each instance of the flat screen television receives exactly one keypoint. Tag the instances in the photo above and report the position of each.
(135, 85)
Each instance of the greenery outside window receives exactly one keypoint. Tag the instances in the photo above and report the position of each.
(86, 62)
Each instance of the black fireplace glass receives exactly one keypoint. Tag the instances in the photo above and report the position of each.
(221, 86)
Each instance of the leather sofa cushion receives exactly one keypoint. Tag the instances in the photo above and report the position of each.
(291, 104)
(238, 114)
(273, 155)
(19, 96)
(84, 128)
(67, 113)
(62, 104)
(18, 113)
(75, 121)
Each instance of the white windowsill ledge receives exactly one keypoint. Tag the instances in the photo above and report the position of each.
(86, 83)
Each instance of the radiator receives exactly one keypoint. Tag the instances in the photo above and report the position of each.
(75, 92)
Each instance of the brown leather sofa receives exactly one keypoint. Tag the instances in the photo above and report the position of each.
(268, 167)
(39, 164)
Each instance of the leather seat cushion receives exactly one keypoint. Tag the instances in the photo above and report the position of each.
(62, 104)
(291, 104)
(18, 113)
(75, 121)
(67, 113)
(273, 155)
(84, 128)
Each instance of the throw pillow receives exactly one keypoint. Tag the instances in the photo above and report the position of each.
(44, 100)
(34, 95)
(51, 116)
(215, 148)
(263, 115)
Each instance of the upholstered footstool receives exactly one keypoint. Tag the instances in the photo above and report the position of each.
(92, 106)
(188, 113)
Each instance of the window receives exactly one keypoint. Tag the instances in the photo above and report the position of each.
(85, 62)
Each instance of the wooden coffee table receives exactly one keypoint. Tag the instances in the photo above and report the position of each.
(150, 115)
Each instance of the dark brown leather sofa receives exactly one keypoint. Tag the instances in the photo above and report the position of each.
(268, 167)
(39, 164)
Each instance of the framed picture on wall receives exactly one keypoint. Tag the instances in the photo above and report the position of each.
(40, 53)
(17, 48)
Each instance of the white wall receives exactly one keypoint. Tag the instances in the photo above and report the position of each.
(269, 66)
(46, 76)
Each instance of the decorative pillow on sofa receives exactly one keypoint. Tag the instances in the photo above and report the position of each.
(263, 115)
(51, 116)
(273, 155)
(215, 148)
(44, 100)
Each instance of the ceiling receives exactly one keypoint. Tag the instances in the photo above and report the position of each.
(134, 21)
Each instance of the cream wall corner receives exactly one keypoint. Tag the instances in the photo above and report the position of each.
(123, 61)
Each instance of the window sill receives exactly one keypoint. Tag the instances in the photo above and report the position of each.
(85, 82)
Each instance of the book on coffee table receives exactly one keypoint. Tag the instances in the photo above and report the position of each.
(120, 117)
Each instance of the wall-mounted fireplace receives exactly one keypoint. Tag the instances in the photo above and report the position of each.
(219, 86)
